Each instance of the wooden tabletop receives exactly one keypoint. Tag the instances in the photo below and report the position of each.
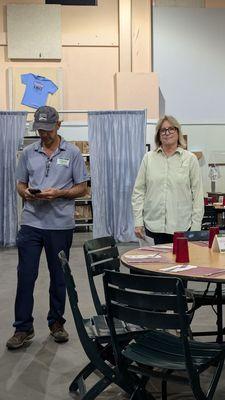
(199, 256)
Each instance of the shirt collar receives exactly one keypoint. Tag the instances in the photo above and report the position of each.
(38, 147)
(179, 150)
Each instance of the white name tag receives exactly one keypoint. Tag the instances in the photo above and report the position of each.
(63, 161)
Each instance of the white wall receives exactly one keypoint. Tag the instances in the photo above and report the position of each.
(189, 58)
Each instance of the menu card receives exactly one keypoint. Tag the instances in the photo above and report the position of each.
(219, 243)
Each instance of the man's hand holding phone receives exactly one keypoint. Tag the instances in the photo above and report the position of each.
(31, 193)
(34, 191)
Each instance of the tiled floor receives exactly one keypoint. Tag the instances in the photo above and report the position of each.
(44, 370)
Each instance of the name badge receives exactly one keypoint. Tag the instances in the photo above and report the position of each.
(63, 161)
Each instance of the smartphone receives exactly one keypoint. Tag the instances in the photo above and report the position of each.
(34, 191)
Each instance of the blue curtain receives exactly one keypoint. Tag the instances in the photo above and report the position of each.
(117, 146)
(12, 128)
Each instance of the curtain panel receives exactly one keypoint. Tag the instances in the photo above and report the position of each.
(117, 146)
(12, 128)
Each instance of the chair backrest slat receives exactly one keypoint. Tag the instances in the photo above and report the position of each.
(147, 301)
(158, 284)
(94, 244)
(104, 254)
(148, 319)
(99, 269)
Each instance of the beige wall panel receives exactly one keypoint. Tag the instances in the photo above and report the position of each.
(125, 35)
(138, 91)
(215, 3)
(88, 78)
(3, 4)
(2, 55)
(141, 36)
(87, 26)
(17, 89)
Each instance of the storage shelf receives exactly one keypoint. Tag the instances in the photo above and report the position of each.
(88, 224)
(82, 199)
(83, 205)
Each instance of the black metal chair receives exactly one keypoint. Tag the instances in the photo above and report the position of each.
(100, 254)
(138, 299)
(95, 339)
(209, 217)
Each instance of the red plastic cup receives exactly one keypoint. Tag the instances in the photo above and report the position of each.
(182, 255)
(206, 201)
(175, 236)
(214, 199)
(213, 230)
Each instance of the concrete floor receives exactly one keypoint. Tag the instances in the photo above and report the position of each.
(43, 370)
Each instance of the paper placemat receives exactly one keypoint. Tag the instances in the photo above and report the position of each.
(194, 270)
(147, 258)
(154, 248)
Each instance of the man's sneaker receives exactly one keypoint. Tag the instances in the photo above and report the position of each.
(19, 339)
(58, 332)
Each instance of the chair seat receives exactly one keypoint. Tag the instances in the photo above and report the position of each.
(163, 350)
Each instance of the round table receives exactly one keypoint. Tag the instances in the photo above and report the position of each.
(201, 256)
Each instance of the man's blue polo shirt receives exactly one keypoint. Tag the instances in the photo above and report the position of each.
(62, 170)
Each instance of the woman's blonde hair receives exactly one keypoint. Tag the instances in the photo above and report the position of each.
(173, 122)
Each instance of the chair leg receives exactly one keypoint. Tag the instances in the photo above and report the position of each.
(215, 380)
(164, 390)
(98, 388)
(139, 394)
(83, 374)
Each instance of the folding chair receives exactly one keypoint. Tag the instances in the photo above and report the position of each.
(138, 299)
(100, 254)
(95, 339)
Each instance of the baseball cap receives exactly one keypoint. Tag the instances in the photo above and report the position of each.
(45, 118)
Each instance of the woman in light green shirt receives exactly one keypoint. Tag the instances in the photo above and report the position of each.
(168, 192)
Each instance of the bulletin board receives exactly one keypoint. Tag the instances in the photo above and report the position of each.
(34, 31)
(16, 89)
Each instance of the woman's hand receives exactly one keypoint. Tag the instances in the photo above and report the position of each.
(139, 232)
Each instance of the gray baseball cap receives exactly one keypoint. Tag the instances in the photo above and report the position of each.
(45, 118)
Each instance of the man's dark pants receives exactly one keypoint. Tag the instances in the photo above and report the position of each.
(30, 242)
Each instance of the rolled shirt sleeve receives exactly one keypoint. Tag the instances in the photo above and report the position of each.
(139, 193)
(197, 195)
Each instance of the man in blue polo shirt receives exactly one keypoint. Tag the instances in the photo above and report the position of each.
(51, 173)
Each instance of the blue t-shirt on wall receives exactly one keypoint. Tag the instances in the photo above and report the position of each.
(37, 90)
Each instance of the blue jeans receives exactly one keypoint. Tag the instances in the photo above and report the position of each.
(30, 242)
